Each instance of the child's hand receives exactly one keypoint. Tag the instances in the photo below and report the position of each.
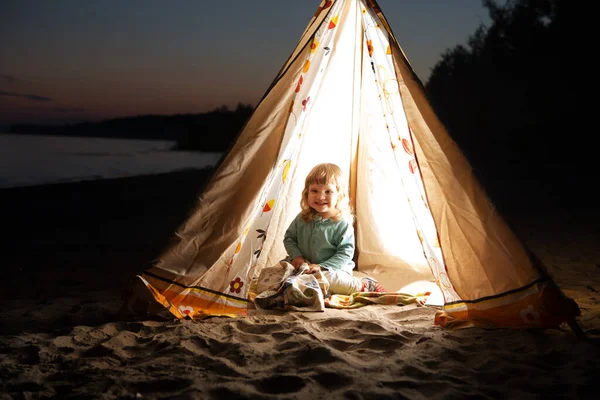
(312, 268)
(298, 261)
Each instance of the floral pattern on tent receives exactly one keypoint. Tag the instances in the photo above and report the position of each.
(239, 267)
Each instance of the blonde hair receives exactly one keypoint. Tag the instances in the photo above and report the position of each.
(325, 174)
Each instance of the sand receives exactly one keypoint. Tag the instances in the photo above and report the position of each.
(70, 249)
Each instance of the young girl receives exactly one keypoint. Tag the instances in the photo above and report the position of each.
(322, 234)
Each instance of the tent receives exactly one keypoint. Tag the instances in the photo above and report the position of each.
(348, 95)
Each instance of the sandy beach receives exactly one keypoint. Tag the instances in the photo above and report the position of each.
(69, 251)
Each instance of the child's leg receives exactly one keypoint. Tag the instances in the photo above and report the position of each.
(341, 282)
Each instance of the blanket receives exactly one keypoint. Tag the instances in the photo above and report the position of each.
(361, 299)
(283, 287)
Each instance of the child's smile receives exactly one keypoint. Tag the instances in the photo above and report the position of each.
(323, 199)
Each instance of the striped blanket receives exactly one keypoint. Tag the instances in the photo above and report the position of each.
(361, 299)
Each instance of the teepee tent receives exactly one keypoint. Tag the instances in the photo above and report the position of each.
(348, 95)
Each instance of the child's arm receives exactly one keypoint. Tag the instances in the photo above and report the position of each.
(290, 242)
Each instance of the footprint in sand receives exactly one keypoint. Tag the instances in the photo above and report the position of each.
(332, 380)
(280, 384)
(309, 355)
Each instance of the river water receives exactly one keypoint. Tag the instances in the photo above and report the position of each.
(28, 160)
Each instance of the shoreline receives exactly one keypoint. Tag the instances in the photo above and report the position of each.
(95, 179)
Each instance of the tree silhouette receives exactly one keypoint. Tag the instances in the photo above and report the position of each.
(212, 131)
(502, 96)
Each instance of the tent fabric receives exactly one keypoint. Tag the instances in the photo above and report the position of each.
(349, 96)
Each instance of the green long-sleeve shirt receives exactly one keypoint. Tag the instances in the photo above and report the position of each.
(322, 241)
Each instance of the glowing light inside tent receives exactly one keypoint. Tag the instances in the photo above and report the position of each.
(435, 298)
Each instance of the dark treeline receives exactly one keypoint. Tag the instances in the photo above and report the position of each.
(506, 98)
(210, 131)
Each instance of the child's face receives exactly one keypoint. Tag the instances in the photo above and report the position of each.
(323, 199)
